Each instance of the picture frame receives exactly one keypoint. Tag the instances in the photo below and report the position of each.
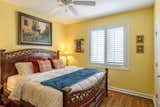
(79, 45)
(140, 39)
(140, 49)
(33, 30)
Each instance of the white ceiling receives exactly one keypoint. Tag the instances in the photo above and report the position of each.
(103, 7)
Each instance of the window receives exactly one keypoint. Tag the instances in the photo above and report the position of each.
(97, 46)
(109, 47)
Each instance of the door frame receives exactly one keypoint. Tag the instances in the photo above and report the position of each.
(157, 33)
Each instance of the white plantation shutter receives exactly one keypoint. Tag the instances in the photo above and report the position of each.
(97, 46)
(109, 46)
(115, 46)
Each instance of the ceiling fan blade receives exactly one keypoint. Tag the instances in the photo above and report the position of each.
(55, 10)
(88, 3)
(73, 10)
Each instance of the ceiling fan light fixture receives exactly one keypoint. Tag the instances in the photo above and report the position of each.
(69, 5)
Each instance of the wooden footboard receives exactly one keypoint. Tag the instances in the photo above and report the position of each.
(91, 97)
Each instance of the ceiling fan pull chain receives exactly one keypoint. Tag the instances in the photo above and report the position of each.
(66, 10)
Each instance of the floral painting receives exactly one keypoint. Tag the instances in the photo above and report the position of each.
(34, 31)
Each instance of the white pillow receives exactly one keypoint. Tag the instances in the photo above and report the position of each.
(24, 68)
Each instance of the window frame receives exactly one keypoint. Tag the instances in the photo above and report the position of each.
(126, 47)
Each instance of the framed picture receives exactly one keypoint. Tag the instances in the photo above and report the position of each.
(33, 30)
(140, 49)
(79, 45)
(140, 39)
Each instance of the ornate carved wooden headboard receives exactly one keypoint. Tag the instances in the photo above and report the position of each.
(8, 60)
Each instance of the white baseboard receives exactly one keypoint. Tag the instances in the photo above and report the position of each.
(154, 102)
(135, 93)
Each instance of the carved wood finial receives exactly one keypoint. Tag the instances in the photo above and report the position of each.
(66, 90)
(2, 50)
(106, 85)
(106, 69)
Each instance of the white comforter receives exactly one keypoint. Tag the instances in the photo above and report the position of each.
(30, 89)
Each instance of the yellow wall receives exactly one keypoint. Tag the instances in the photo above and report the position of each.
(157, 9)
(9, 28)
(139, 77)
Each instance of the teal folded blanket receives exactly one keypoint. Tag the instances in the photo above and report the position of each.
(70, 79)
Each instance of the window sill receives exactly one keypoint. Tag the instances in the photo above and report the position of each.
(118, 68)
(109, 67)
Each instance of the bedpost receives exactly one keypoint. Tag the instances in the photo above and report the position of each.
(1, 57)
(106, 85)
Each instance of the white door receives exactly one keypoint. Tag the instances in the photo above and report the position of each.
(157, 59)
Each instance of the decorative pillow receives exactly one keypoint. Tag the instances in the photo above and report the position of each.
(35, 64)
(58, 63)
(54, 58)
(44, 65)
(24, 68)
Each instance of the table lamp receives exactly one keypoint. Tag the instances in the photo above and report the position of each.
(66, 54)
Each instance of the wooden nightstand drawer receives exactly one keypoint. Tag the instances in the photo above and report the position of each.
(1, 88)
(5, 100)
(1, 91)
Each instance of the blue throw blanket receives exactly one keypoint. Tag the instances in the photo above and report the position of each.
(69, 79)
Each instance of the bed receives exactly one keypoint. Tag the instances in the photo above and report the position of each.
(71, 97)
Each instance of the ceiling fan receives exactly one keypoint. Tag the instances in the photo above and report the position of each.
(69, 5)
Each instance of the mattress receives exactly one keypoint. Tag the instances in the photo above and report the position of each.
(30, 90)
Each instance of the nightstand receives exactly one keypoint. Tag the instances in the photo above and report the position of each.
(1, 92)
(4, 101)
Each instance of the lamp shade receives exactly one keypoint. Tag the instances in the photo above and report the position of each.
(67, 55)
